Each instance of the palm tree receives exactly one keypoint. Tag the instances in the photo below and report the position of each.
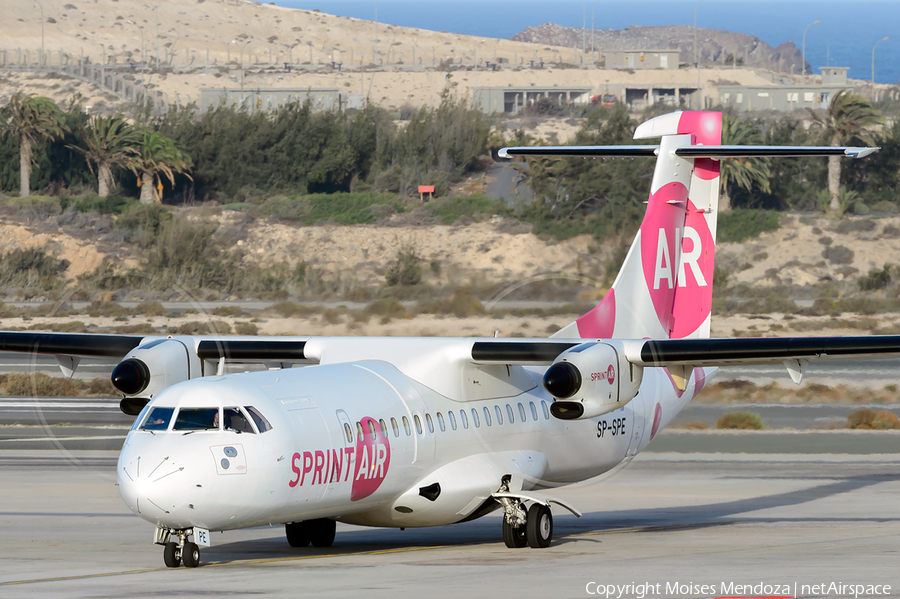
(108, 142)
(846, 119)
(157, 155)
(741, 172)
(28, 119)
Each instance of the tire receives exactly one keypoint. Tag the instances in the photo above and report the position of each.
(297, 534)
(539, 529)
(514, 537)
(322, 532)
(190, 555)
(170, 555)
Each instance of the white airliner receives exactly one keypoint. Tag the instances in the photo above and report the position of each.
(402, 432)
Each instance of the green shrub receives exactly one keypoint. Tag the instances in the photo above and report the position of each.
(876, 279)
(838, 254)
(150, 309)
(853, 225)
(227, 311)
(740, 421)
(406, 269)
(474, 206)
(193, 327)
(739, 225)
(342, 208)
(246, 328)
(31, 267)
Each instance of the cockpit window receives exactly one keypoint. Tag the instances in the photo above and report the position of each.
(197, 419)
(234, 419)
(261, 423)
(158, 419)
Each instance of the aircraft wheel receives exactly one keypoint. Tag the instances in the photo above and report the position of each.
(297, 534)
(539, 529)
(190, 555)
(513, 537)
(322, 532)
(170, 555)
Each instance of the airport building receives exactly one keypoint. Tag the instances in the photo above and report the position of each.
(636, 95)
(786, 97)
(641, 59)
(267, 99)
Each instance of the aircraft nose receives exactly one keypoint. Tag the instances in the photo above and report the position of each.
(149, 482)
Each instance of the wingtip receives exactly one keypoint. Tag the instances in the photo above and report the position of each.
(860, 152)
(503, 153)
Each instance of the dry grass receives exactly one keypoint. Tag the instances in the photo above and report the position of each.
(873, 420)
(740, 391)
(748, 421)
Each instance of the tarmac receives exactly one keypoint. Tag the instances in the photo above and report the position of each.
(702, 521)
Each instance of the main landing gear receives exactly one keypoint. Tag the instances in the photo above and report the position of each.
(319, 532)
(533, 528)
(178, 552)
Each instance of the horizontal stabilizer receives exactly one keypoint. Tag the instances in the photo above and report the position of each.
(714, 152)
(771, 151)
(584, 151)
(769, 350)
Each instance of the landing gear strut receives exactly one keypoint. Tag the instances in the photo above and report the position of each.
(533, 528)
(319, 532)
(180, 552)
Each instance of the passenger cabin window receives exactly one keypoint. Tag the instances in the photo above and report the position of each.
(430, 423)
(406, 425)
(464, 418)
(234, 419)
(441, 422)
(158, 419)
(197, 419)
(395, 427)
(487, 416)
(262, 425)
(533, 411)
(546, 410)
(418, 422)
(499, 415)
(372, 429)
(522, 413)
(509, 413)
(452, 420)
(348, 432)
(360, 434)
(383, 428)
(475, 418)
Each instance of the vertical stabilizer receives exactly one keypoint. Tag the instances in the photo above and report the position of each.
(664, 289)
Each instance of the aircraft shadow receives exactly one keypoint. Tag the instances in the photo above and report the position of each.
(567, 527)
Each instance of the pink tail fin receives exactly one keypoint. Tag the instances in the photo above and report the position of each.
(664, 289)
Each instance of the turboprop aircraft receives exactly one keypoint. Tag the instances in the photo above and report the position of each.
(412, 432)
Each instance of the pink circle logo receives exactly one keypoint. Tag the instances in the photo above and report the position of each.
(611, 374)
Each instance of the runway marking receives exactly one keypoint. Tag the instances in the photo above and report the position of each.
(222, 564)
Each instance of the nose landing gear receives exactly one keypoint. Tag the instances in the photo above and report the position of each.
(180, 552)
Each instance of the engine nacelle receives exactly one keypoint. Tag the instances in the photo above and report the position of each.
(148, 369)
(590, 380)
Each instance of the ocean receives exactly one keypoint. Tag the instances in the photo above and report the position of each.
(844, 37)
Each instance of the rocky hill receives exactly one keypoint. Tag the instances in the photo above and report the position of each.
(715, 46)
